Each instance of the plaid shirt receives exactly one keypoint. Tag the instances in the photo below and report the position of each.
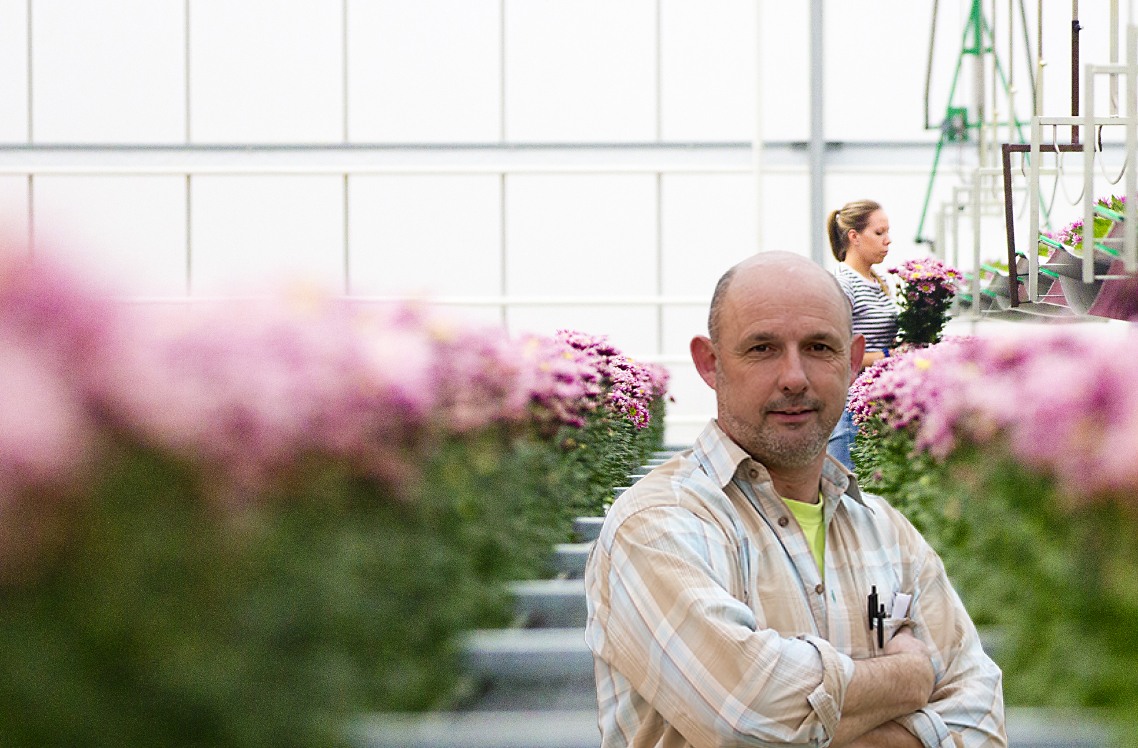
(710, 623)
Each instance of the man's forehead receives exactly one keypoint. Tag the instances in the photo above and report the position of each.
(759, 295)
(775, 305)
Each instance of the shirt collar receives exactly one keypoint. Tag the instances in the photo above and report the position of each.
(721, 458)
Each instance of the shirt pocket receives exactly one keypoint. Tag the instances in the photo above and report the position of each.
(886, 583)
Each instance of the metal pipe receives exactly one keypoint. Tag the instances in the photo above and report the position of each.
(978, 82)
(502, 77)
(1075, 69)
(956, 208)
(757, 138)
(1033, 210)
(1089, 179)
(189, 235)
(347, 239)
(939, 244)
(529, 301)
(31, 216)
(503, 267)
(1114, 57)
(659, 73)
(1011, 73)
(1009, 225)
(1082, 118)
(344, 68)
(31, 68)
(1130, 225)
(817, 137)
(181, 169)
(1039, 64)
(995, 115)
(660, 262)
(186, 73)
(976, 196)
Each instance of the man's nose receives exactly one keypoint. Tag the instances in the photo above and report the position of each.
(791, 375)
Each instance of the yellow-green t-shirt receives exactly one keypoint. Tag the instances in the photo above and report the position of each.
(810, 517)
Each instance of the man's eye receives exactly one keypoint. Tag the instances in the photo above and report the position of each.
(760, 348)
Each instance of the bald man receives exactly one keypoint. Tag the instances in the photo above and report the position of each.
(728, 589)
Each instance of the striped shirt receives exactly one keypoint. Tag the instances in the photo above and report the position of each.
(874, 311)
(710, 623)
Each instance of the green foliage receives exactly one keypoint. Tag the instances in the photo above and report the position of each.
(1061, 582)
(605, 450)
(172, 622)
(502, 502)
(921, 320)
(1072, 234)
(1066, 581)
(932, 498)
(1102, 228)
(176, 618)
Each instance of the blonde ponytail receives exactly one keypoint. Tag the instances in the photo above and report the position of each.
(854, 216)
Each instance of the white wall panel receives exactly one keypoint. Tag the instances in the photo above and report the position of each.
(253, 234)
(707, 64)
(580, 70)
(875, 72)
(681, 324)
(631, 329)
(128, 232)
(431, 234)
(585, 235)
(13, 209)
(263, 71)
(786, 212)
(786, 70)
(13, 71)
(694, 400)
(708, 226)
(424, 72)
(108, 72)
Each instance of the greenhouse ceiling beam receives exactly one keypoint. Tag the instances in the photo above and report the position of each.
(817, 137)
(779, 157)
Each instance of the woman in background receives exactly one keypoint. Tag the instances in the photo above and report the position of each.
(859, 239)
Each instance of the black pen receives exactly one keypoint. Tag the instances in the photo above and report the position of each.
(877, 616)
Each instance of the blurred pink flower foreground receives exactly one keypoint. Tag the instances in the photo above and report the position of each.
(249, 393)
(1065, 405)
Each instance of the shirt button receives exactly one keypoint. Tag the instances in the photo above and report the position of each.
(783, 522)
(754, 473)
(820, 588)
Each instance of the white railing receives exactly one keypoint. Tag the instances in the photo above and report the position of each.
(1088, 121)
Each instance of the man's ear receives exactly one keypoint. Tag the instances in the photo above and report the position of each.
(857, 354)
(704, 356)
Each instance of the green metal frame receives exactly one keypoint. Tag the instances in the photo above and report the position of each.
(976, 28)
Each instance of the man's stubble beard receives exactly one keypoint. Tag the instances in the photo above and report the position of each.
(782, 448)
(786, 450)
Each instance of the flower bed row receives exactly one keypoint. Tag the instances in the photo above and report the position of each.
(241, 525)
(1018, 459)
